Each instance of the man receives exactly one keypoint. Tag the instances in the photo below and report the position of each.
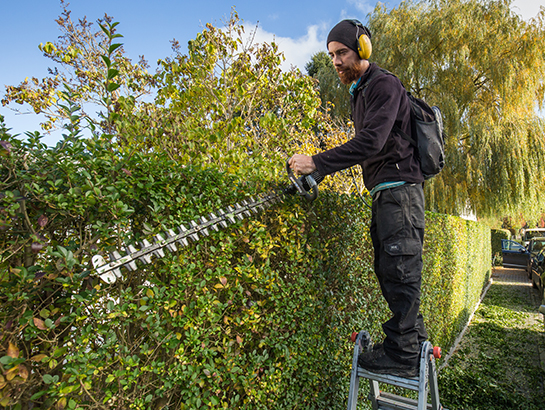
(393, 177)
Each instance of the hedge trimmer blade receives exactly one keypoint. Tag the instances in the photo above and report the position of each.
(110, 271)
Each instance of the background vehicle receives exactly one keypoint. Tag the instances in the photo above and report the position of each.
(517, 256)
(530, 233)
(514, 255)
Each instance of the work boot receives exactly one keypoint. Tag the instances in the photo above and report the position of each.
(379, 362)
(371, 354)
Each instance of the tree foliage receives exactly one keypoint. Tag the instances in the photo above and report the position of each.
(85, 58)
(228, 103)
(484, 67)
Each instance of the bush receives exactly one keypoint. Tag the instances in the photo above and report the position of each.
(253, 316)
(496, 235)
(456, 269)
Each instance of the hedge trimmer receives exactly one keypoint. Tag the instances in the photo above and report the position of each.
(306, 186)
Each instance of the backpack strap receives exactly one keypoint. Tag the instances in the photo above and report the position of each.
(378, 72)
(382, 71)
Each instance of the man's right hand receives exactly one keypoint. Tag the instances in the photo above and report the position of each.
(302, 164)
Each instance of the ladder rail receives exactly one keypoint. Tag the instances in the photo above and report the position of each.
(354, 380)
(424, 384)
(361, 343)
(426, 356)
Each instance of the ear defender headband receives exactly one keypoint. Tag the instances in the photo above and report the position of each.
(364, 42)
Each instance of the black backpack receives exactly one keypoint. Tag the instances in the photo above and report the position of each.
(427, 128)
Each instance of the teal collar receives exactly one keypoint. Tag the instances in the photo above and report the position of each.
(354, 86)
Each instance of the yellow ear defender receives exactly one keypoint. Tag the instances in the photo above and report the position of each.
(364, 42)
(364, 47)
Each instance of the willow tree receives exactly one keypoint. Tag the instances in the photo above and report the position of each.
(484, 67)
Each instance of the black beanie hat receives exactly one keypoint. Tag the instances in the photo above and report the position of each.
(348, 32)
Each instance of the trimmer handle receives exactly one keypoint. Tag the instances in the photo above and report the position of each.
(298, 184)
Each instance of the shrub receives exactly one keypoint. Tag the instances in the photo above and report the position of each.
(496, 235)
(253, 316)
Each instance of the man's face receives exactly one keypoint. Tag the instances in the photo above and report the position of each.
(346, 62)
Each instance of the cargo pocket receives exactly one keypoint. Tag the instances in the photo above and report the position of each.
(418, 219)
(403, 259)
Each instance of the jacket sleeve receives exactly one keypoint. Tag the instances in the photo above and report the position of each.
(382, 101)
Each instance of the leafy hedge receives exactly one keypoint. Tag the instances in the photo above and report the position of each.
(456, 269)
(255, 316)
(496, 236)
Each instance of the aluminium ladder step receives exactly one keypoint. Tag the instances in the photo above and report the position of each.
(411, 383)
(388, 401)
(424, 383)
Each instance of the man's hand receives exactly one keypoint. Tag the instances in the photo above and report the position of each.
(302, 164)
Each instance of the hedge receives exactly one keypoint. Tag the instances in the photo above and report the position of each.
(254, 316)
(496, 236)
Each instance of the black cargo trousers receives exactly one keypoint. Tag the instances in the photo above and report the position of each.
(397, 232)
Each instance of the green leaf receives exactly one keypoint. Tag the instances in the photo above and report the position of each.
(112, 87)
(38, 395)
(104, 29)
(48, 379)
(114, 47)
(60, 351)
(112, 73)
(6, 359)
(106, 61)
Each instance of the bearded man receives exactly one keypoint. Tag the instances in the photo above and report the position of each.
(391, 173)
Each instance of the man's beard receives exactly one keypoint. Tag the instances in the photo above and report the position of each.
(350, 73)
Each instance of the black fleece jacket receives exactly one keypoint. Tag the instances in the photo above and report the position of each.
(384, 155)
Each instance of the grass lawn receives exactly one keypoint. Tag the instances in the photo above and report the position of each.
(497, 365)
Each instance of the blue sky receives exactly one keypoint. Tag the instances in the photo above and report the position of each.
(300, 28)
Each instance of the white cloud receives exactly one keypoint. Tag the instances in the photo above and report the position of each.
(296, 51)
(528, 9)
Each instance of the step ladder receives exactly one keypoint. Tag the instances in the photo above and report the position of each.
(426, 380)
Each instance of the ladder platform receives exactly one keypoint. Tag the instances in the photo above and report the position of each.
(425, 383)
(411, 383)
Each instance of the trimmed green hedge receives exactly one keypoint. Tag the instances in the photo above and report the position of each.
(456, 269)
(496, 236)
(255, 316)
